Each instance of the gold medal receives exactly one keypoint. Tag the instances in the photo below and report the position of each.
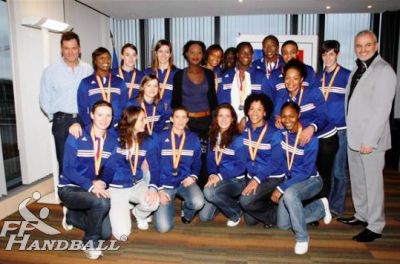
(242, 90)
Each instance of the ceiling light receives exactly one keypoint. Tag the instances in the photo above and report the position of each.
(328, 7)
(47, 23)
(240, 1)
(369, 7)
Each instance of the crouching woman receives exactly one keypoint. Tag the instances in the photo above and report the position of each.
(302, 181)
(82, 186)
(125, 167)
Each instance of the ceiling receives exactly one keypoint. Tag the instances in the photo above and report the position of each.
(140, 9)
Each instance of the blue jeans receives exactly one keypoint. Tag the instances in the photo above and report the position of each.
(340, 180)
(259, 206)
(292, 214)
(223, 197)
(60, 130)
(194, 201)
(87, 212)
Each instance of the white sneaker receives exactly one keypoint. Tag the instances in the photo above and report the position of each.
(142, 224)
(64, 224)
(301, 248)
(232, 223)
(149, 219)
(93, 253)
(328, 215)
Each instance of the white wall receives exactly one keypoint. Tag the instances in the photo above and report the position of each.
(343, 28)
(33, 128)
(92, 27)
(26, 46)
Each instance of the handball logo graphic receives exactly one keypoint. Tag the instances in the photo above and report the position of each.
(33, 220)
(30, 221)
(22, 240)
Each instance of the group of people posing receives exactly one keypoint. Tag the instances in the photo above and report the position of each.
(264, 140)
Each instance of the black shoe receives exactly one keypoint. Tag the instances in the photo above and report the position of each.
(366, 236)
(185, 221)
(268, 226)
(351, 221)
(315, 223)
(183, 218)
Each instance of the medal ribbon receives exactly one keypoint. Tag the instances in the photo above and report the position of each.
(135, 162)
(300, 98)
(149, 124)
(253, 152)
(131, 84)
(164, 84)
(325, 90)
(105, 94)
(176, 157)
(289, 158)
(98, 151)
(218, 151)
(242, 87)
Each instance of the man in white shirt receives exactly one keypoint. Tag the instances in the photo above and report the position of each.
(58, 92)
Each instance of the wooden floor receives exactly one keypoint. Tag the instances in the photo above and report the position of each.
(216, 243)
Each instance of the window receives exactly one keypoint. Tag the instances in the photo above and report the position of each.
(10, 169)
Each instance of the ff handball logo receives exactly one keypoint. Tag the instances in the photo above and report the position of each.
(21, 240)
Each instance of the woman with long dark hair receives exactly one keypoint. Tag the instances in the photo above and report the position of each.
(226, 162)
(156, 110)
(125, 167)
(163, 68)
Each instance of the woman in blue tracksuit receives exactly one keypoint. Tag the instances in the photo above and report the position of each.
(157, 110)
(264, 166)
(128, 72)
(125, 169)
(180, 167)
(101, 85)
(332, 81)
(314, 117)
(164, 68)
(302, 181)
(226, 163)
(239, 82)
(82, 186)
